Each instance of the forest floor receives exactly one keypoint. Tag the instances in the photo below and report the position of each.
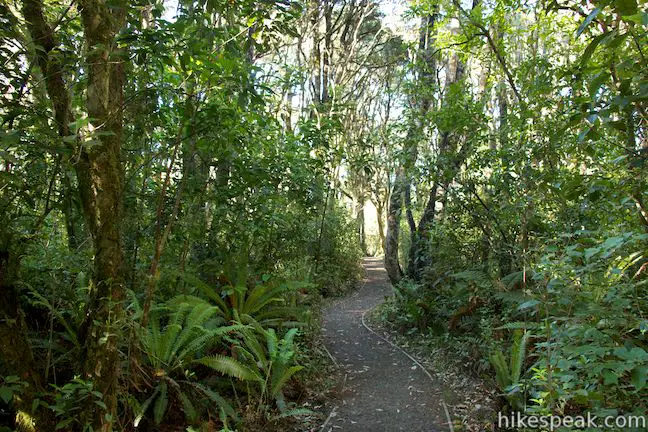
(382, 389)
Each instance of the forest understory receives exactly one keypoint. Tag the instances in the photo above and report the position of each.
(185, 185)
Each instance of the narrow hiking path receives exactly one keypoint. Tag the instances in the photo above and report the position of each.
(383, 389)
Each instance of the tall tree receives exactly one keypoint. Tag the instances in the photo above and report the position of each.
(402, 182)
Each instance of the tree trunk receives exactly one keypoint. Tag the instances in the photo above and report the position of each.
(380, 215)
(402, 181)
(392, 264)
(99, 175)
(102, 198)
(418, 248)
(15, 350)
(360, 218)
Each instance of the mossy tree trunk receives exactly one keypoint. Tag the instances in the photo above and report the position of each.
(100, 180)
(101, 186)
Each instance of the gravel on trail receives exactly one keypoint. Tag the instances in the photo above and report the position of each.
(382, 389)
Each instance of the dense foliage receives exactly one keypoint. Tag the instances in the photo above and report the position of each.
(182, 182)
(165, 236)
(524, 193)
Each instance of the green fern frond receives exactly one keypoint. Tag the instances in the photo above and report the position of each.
(199, 314)
(215, 397)
(198, 344)
(280, 379)
(271, 342)
(502, 373)
(167, 341)
(516, 277)
(42, 301)
(518, 325)
(518, 353)
(280, 313)
(228, 366)
(207, 290)
(134, 305)
(262, 295)
(478, 277)
(139, 415)
(161, 404)
(187, 406)
(294, 413)
(290, 336)
(255, 347)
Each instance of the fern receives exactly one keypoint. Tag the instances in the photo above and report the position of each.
(216, 398)
(171, 349)
(161, 403)
(187, 406)
(518, 353)
(264, 303)
(275, 365)
(228, 366)
(478, 277)
(502, 372)
(518, 325)
(508, 374)
(294, 413)
(281, 378)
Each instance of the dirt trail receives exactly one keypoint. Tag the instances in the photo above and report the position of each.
(384, 391)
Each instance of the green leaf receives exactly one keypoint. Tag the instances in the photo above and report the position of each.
(101, 404)
(8, 157)
(610, 377)
(597, 82)
(6, 394)
(634, 354)
(638, 377)
(528, 304)
(640, 18)
(279, 381)
(587, 21)
(595, 42)
(142, 409)
(625, 7)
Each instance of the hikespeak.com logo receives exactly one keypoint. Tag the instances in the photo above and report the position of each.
(518, 420)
